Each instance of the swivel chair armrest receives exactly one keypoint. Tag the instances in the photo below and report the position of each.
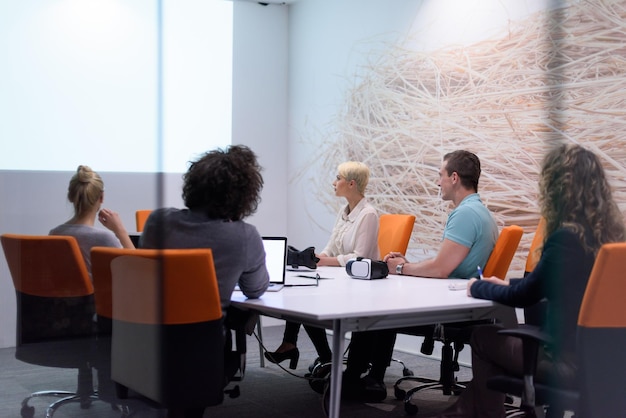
(529, 333)
(532, 338)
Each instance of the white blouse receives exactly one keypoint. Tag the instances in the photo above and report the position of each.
(355, 234)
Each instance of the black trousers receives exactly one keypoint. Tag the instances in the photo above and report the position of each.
(370, 347)
(317, 336)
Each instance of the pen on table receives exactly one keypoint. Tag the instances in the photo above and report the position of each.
(311, 277)
(480, 272)
(306, 277)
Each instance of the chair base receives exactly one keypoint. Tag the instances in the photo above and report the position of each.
(556, 401)
(406, 372)
(407, 395)
(28, 411)
(447, 382)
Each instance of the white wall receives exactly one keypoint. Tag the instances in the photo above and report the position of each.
(260, 77)
(328, 41)
(33, 202)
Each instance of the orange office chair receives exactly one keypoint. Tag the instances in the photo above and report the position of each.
(55, 311)
(534, 253)
(394, 233)
(101, 258)
(503, 252)
(455, 335)
(167, 328)
(141, 216)
(602, 336)
(600, 346)
(534, 314)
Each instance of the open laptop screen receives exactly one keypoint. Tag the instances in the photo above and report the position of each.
(275, 258)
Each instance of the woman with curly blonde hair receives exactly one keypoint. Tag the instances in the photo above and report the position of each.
(581, 215)
(575, 194)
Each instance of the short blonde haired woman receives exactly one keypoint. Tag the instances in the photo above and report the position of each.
(355, 234)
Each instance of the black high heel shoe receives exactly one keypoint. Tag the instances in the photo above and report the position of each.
(292, 355)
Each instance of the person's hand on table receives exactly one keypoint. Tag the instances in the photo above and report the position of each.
(393, 259)
(492, 279)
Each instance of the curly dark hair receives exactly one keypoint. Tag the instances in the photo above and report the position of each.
(466, 165)
(574, 193)
(224, 183)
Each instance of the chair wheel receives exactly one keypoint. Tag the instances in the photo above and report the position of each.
(407, 372)
(399, 393)
(410, 408)
(27, 411)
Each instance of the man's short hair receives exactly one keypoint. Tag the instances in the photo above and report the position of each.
(467, 166)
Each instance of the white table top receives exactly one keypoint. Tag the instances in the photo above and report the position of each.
(344, 304)
(339, 296)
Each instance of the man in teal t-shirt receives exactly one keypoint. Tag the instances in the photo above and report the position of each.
(470, 232)
(471, 225)
(468, 239)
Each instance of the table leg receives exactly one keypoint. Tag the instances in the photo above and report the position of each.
(259, 331)
(339, 335)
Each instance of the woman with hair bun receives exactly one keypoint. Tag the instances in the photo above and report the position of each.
(86, 193)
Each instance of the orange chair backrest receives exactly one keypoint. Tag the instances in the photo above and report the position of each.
(141, 216)
(394, 233)
(101, 258)
(603, 303)
(173, 286)
(46, 265)
(533, 253)
(503, 252)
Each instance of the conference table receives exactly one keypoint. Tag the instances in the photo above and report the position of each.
(344, 304)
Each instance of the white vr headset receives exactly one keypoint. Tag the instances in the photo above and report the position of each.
(366, 269)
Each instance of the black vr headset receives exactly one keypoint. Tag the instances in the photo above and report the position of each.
(366, 269)
(305, 258)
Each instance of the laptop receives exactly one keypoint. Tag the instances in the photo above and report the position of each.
(275, 261)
